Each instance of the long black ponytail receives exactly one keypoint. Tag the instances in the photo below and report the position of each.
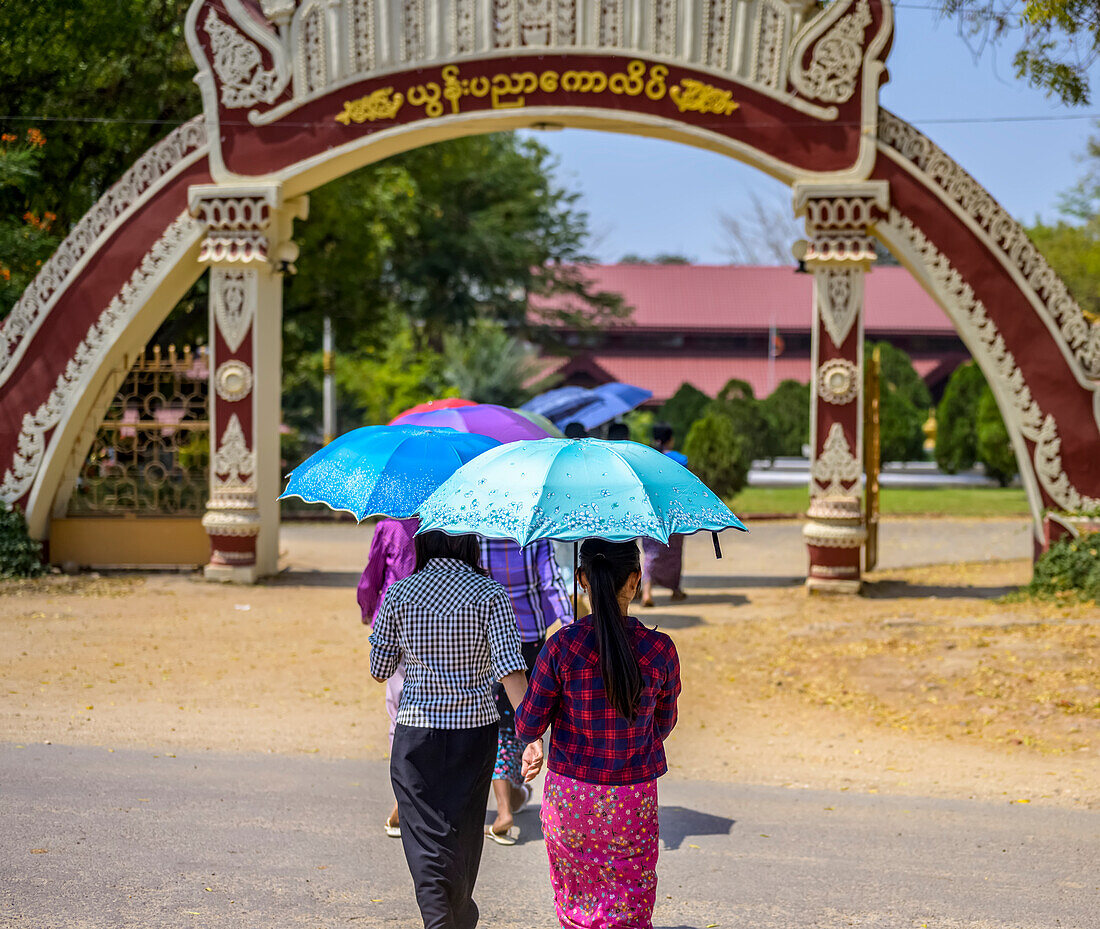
(607, 566)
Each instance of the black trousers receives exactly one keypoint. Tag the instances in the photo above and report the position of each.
(441, 779)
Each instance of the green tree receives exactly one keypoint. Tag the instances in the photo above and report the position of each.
(1059, 39)
(372, 386)
(957, 419)
(483, 362)
(682, 409)
(20, 555)
(737, 401)
(995, 450)
(1072, 244)
(115, 76)
(787, 412)
(904, 402)
(717, 453)
(661, 258)
(26, 238)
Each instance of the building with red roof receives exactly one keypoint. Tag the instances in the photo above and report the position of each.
(706, 324)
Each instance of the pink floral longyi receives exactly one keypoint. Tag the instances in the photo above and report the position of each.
(603, 844)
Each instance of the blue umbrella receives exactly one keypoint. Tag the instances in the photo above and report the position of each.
(384, 470)
(606, 402)
(559, 403)
(574, 489)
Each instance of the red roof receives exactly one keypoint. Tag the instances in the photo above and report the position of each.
(715, 297)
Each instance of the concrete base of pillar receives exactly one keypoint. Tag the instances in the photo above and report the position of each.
(823, 585)
(231, 574)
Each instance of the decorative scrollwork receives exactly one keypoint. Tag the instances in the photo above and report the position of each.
(238, 63)
(836, 466)
(837, 381)
(234, 463)
(839, 300)
(1023, 412)
(1004, 235)
(102, 334)
(834, 66)
(232, 298)
(233, 380)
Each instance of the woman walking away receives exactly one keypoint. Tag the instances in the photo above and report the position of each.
(608, 687)
(455, 630)
(392, 558)
(663, 564)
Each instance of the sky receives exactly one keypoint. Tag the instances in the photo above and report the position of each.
(646, 196)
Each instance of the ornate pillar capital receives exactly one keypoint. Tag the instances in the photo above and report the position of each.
(247, 225)
(838, 217)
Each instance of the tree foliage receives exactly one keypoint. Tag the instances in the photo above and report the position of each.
(1059, 40)
(904, 402)
(106, 80)
(682, 409)
(737, 401)
(1069, 568)
(26, 238)
(1072, 244)
(717, 453)
(957, 419)
(20, 555)
(787, 413)
(995, 450)
(485, 363)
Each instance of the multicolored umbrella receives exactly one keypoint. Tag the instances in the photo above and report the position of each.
(607, 402)
(542, 422)
(383, 470)
(497, 422)
(559, 403)
(447, 403)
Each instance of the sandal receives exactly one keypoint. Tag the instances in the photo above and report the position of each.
(394, 832)
(502, 838)
(526, 788)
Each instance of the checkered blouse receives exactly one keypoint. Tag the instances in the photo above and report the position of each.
(457, 633)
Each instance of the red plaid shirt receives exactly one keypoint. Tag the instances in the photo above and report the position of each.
(590, 741)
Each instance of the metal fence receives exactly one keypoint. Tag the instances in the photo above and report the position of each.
(151, 453)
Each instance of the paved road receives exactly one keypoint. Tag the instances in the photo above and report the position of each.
(770, 550)
(92, 838)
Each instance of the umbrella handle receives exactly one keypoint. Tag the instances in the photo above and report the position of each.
(717, 545)
(575, 543)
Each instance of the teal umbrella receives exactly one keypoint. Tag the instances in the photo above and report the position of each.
(383, 470)
(571, 489)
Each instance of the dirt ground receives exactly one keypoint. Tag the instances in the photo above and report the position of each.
(931, 684)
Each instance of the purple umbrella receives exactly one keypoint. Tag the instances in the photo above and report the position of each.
(497, 422)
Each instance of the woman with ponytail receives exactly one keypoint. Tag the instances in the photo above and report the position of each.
(607, 686)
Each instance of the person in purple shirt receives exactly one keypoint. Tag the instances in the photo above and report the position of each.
(539, 599)
(392, 558)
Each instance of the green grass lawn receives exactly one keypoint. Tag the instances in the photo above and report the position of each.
(896, 501)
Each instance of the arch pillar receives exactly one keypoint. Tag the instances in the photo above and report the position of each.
(839, 254)
(247, 248)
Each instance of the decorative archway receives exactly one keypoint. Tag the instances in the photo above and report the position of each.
(299, 92)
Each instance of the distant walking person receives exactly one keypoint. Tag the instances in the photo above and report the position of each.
(607, 687)
(391, 558)
(455, 630)
(531, 576)
(663, 564)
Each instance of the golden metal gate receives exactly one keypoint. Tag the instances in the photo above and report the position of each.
(872, 455)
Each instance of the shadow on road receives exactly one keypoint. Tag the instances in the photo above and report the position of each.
(314, 579)
(679, 823)
(666, 620)
(886, 590)
(733, 580)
